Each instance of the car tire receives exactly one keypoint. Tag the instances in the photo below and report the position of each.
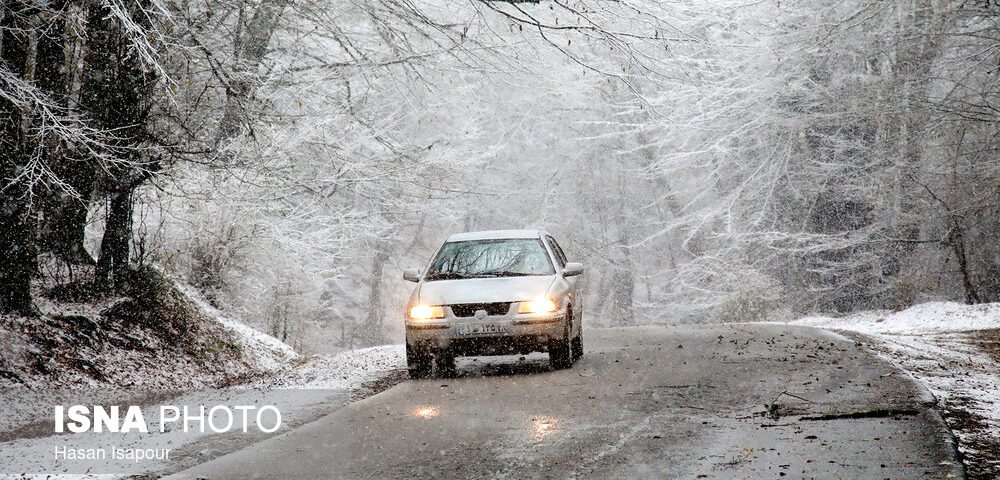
(561, 350)
(445, 364)
(418, 362)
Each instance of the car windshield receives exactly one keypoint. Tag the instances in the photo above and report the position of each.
(490, 258)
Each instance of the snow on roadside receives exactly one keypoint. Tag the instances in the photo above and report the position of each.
(342, 371)
(940, 344)
(925, 318)
(346, 370)
(267, 352)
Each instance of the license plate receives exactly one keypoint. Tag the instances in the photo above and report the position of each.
(481, 328)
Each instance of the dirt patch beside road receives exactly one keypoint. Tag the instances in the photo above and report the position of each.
(379, 385)
(989, 342)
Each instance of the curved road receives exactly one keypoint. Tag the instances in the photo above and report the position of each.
(714, 401)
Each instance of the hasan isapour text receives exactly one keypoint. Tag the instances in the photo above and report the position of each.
(111, 453)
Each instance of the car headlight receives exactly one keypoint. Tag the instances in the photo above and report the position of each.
(541, 305)
(426, 312)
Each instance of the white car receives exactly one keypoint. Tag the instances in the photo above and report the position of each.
(499, 292)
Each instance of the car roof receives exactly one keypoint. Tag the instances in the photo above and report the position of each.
(495, 234)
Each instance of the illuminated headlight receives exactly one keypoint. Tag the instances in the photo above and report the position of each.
(541, 305)
(426, 312)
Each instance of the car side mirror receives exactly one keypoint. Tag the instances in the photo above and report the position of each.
(572, 269)
(411, 275)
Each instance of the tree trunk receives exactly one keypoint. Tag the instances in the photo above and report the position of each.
(63, 225)
(113, 262)
(375, 315)
(957, 240)
(622, 295)
(64, 214)
(620, 302)
(599, 300)
(251, 44)
(17, 232)
(117, 92)
(17, 223)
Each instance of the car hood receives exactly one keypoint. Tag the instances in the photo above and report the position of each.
(484, 290)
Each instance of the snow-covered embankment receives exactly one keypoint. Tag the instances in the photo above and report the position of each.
(954, 350)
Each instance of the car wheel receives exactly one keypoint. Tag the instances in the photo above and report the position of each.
(561, 350)
(418, 362)
(445, 364)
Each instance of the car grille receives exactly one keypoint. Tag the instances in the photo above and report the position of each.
(469, 309)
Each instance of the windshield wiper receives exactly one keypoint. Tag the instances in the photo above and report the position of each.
(458, 276)
(445, 276)
(505, 273)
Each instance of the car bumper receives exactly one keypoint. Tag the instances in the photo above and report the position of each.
(523, 335)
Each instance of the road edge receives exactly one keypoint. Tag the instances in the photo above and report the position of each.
(929, 402)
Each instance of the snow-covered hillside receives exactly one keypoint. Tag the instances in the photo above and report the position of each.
(263, 350)
(156, 336)
(954, 350)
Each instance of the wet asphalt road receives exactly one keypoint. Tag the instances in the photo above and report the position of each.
(719, 401)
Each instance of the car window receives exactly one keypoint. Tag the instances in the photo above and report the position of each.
(490, 258)
(560, 256)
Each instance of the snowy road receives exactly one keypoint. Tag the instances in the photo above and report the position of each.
(722, 401)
